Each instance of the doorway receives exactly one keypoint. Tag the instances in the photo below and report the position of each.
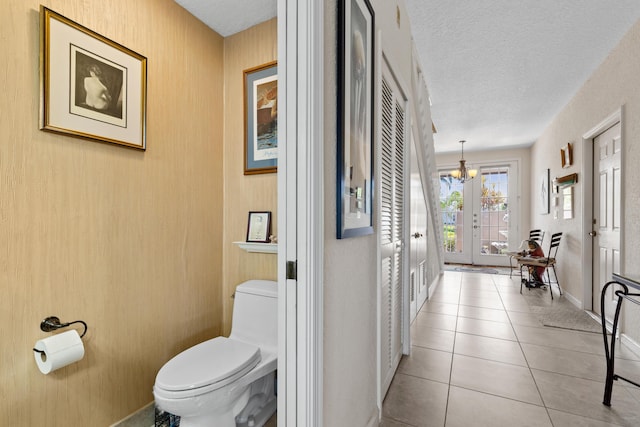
(480, 217)
(606, 216)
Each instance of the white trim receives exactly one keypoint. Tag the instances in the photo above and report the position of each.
(300, 210)
(587, 205)
(631, 344)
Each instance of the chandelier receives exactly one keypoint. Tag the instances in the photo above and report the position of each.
(463, 174)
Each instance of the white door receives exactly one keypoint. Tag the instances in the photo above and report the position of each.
(417, 238)
(391, 226)
(480, 217)
(607, 180)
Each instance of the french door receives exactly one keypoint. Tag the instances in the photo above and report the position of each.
(480, 216)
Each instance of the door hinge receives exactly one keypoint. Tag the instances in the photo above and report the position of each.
(292, 270)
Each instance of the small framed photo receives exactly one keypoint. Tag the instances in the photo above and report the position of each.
(259, 227)
(90, 87)
(261, 119)
(566, 155)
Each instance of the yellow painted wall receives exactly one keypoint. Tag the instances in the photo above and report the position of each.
(245, 50)
(128, 241)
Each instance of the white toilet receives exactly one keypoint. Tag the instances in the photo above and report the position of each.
(228, 382)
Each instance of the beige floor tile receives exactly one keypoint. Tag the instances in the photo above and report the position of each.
(416, 401)
(563, 419)
(582, 365)
(524, 319)
(452, 298)
(561, 338)
(584, 397)
(486, 328)
(501, 379)
(436, 339)
(440, 307)
(437, 321)
(386, 422)
(471, 408)
(483, 302)
(425, 363)
(482, 313)
(489, 348)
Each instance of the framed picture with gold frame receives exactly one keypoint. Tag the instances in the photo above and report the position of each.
(90, 87)
(566, 155)
(261, 119)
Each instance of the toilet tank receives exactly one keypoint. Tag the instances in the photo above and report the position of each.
(255, 314)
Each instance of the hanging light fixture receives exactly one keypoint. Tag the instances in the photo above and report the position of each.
(463, 174)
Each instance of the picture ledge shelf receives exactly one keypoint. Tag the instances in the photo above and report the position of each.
(265, 248)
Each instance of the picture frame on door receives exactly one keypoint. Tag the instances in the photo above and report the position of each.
(355, 123)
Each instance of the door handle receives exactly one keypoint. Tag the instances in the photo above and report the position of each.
(593, 233)
(417, 235)
(475, 226)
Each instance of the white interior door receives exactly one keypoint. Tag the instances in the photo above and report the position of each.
(607, 179)
(417, 238)
(391, 226)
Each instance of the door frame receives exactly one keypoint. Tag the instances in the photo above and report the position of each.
(587, 206)
(515, 185)
(301, 211)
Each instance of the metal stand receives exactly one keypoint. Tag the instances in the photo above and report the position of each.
(610, 346)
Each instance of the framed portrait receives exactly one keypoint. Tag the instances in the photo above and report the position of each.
(544, 192)
(259, 227)
(355, 123)
(566, 155)
(261, 119)
(90, 87)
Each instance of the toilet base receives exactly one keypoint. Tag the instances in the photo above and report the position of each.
(261, 405)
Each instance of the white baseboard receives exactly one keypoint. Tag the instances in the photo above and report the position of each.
(374, 420)
(631, 344)
(573, 300)
(434, 285)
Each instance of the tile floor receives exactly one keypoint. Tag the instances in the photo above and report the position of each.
(480, 358)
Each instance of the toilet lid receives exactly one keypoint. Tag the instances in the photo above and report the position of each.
(217, 361)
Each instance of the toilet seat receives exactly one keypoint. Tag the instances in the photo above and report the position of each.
(206, 367)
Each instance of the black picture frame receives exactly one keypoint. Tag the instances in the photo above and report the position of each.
(259, 227)
(355, 119)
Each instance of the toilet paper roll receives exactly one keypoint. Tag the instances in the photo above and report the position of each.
(59, 350)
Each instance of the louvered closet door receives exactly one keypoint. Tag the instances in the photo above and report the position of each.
(392, 214)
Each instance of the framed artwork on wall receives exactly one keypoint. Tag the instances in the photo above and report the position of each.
(90, 87)
(543, 186)
(355, 124)
(566, 155)
(261, 119)
(259, 227)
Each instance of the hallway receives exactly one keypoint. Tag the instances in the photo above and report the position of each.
(480, 357)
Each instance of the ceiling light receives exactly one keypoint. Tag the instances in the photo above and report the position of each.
(463, 174)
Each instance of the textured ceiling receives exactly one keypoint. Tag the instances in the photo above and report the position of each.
(498, 71)
(228, 17)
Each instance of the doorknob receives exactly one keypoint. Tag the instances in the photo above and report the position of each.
(417, 235)
(475, 226)
(593, 233)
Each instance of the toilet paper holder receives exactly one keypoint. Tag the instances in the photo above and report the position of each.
(53, 323)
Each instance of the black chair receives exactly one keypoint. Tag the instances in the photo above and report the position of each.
(537, 235)
(548, 262)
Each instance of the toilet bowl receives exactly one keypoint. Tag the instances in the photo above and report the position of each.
(228, 382)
